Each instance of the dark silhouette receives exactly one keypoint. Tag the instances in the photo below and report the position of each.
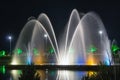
(29, 74)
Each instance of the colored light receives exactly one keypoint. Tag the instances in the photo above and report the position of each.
(92, 49)
(91, 60)
(18, 51)
(19, 71)
(14, 62)
(91, 73)
(2, 69)
(115, 48)
(29, 61)
(107, 62)
(51, 51)
(35, 51)
(2, 53)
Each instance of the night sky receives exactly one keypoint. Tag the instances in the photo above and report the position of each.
(14, 15)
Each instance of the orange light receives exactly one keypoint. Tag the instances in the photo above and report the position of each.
(91, 73)
(91, 60)
(39, 59)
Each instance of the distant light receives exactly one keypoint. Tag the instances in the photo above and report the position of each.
(45, 35)
(9, 37)
(100, 32)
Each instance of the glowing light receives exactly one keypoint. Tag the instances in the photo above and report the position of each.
(64, 61)
(2, 69)
(92, 49)
(100, 32)
(14, 62)
(18, 51)
(76, 34)
(29, 60)
(115, 48)
(39, 60)
(107, 62)
(2, 53)
(9, 37)
(19, 71)
(91, 73)
(15, 74)
(35, 51)
(63, 75)
(91, 60)
(45, 35)
(51, 51)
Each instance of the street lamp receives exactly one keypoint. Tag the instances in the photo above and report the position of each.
(45, 36)
(100, 32)
(10, 38)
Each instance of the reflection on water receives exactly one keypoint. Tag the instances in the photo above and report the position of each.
(45, 75)
(15, 74)
(41, 74)
(69, 75)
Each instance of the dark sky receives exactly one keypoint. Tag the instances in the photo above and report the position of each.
(14, 15)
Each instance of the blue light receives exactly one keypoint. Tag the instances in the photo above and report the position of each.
(29, 60)
(80, 61)
(107, 62)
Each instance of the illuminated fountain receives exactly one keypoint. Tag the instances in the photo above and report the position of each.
(85, 42)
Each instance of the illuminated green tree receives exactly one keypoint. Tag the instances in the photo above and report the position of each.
(35, 51)
(2, 53)
(18, 51)
(2, 69)
(51, 51)
(114, 49)
(92, 49)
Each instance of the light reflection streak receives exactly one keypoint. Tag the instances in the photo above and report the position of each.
(15, 74)
(63, 75)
